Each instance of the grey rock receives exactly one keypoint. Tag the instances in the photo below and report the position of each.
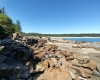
(96, 73)
(50, 55)
(59, 56)
(43, 58)
(59, 63)
(98, 68)
(43, 53)
(46, 56)
(6, 40)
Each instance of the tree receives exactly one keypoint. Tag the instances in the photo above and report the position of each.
(18, 26)
(7, 24)
(2, 10)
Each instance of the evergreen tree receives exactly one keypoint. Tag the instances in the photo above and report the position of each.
(2, 10)
(18, 25)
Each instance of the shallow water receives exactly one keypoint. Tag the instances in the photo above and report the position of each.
(84, 39)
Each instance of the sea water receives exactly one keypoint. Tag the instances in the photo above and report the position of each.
(84, 39)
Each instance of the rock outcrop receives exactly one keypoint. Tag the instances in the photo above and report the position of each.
(32, 59)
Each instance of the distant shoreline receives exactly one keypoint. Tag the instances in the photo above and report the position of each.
(74, 37)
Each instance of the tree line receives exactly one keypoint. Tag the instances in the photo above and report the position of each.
(64, 35)
(7, 26)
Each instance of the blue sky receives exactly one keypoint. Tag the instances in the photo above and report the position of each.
(55, 16)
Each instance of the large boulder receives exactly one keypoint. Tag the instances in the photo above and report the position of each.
(22, 53)
(15, 35)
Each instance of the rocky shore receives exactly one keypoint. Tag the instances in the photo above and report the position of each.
(45, 59)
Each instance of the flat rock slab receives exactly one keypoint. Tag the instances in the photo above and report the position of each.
(86, 51)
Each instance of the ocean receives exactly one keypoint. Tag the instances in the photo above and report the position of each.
(84, 39)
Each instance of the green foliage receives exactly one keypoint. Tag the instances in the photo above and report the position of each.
(18, 25)
(7, 24)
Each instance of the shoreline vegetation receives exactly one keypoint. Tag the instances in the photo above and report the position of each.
(64, 35)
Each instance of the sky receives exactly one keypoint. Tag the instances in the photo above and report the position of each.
(55, 16)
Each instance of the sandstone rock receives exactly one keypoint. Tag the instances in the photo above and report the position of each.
(38, 55)
(15, 35)
(92, 65)
(24, 39)
(40, 67)
(57, 53)
(84, 61)
(53, 63)
(55, 74)
(46, 63)
(75, 63)
(69, 58)
(2, 47)
(98, 68)
(81, 71)
(88, 71)
(68, 53)
(63, 61)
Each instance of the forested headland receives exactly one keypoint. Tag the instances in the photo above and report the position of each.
(7, 27)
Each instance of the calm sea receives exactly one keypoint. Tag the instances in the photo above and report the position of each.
(84, 39)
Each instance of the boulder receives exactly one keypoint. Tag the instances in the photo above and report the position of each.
(15, 35)
(38, 55)
(22, 53)
(69, 58)
(92, 65)
(46, 63)
(40, 67)
(96, 73)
